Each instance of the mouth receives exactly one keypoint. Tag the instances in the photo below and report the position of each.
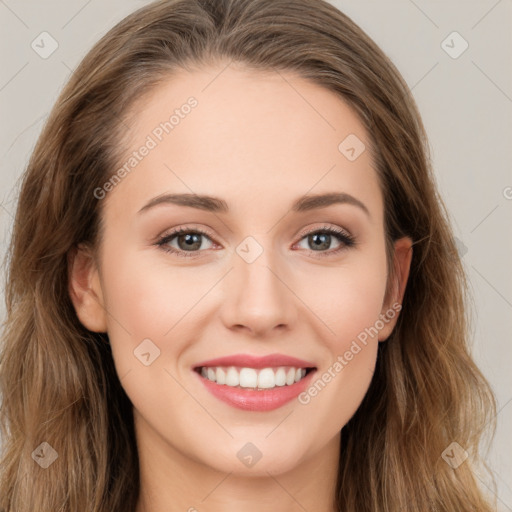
(254, 383)
(258, 379)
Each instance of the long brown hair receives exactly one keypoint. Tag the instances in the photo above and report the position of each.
(58, 380)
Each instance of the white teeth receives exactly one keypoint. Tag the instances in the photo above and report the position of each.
(248, 378)
(220, 375)
(265, 378)
(280, 377)
(232, 377)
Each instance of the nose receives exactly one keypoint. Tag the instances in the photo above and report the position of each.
(257, 297)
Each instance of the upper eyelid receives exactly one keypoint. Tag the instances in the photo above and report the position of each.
(302, 233)
(206, 232)
(307, 231)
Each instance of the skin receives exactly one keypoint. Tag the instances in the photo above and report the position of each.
(259, 141)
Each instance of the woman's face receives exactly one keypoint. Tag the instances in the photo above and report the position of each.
(254, 272)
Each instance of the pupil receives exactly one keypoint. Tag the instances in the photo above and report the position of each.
(316, 237)
(191, 239)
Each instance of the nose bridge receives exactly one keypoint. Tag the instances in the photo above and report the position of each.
(256, 295)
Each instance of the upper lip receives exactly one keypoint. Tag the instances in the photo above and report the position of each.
(249, 361)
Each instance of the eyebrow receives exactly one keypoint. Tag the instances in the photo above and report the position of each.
(214, 204)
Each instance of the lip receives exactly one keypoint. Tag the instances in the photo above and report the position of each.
(250, 361)
(254, 400)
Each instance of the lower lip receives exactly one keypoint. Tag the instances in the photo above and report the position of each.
(254, 400)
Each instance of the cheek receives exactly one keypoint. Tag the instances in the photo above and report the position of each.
(357, 306)
(149, 297)
(347, 299)
(143, 303)
(350, 308)
(150, 302)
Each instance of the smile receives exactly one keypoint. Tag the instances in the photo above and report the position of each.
(252, 378)
(255, 382)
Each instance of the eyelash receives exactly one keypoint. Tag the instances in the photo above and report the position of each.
(342, 236)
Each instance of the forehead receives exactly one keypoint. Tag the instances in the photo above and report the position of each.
(245, 135)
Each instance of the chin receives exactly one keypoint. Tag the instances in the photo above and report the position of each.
(253, 458)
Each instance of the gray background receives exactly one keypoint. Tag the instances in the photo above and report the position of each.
(466, 104)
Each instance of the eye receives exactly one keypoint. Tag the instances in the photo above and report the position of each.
(189, 241)
(321, 239)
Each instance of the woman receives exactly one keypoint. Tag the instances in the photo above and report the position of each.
(232, 282)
